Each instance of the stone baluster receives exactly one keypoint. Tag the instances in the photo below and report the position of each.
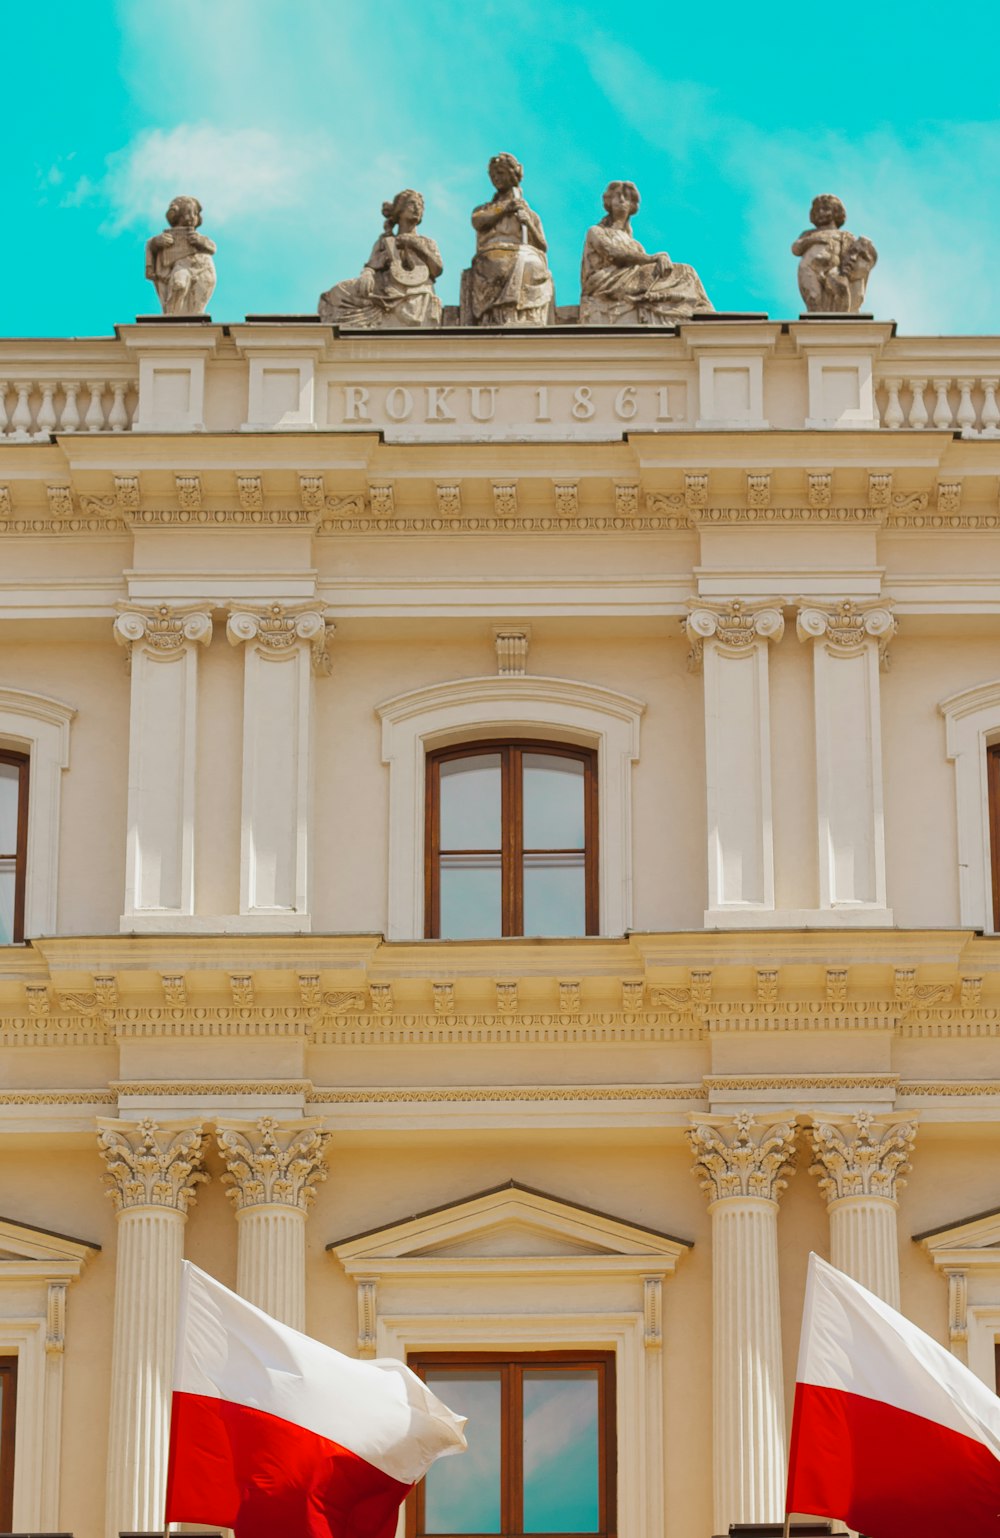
(942, 405)
(46, 419)
(118, 416)
(71, 410)
(965, 416)
(918, 410)
(990, 415)
(893, 409)
(743, 1169)
(95, 410)
(861, 1160)
(274, 1167)
(153, 1171)
(4, 387)
(21, 419)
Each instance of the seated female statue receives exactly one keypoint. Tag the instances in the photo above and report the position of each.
(509, 283)
(396, 286)
(179, 261)
(621, 284)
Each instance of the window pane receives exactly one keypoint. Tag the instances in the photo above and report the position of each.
(7, 874)
(9, 780)
(470, 802)
(462, 1495)
(471, 897)
(561, 1452)
(553, 801)
(555, 901)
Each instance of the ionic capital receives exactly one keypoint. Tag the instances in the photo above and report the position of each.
(272, 1163)
(734, 1157)
(845, 627)
(735, 624)
(164, 628)
(277, 627)
(150, 1165)
(862, 1155)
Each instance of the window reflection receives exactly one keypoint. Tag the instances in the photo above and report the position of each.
(462, 1495)
(560, 1452)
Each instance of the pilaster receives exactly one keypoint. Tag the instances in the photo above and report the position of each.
(861, 1161)
(161, 646)
(729, 640)
(152, 1174)
(285, 644)
(273, 1170)
(743, 1168)
(850, 640)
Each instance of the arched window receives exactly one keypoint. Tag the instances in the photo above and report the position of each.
(511, 840)
(13, 844)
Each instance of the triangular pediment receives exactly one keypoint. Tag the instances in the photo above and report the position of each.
(20, 1242)
(509, 1222)
(979, 1232)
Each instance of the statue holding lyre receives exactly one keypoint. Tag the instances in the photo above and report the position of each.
(396, 284)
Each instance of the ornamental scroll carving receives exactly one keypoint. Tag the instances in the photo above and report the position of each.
(736, 1157)
(862, 1155)
(163, 628)
(736, 625)
(272, 1163)
(279, 627)
(847, 626)
(150, 1165)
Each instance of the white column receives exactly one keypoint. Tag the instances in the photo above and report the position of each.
(849, 642)
(729, 640)
(274, 1167)
(744, 1168)
(861, 1161)
(285, 645)
(162, 648)
(153, 1171)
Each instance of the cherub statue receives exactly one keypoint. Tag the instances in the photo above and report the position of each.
(396, 285)
(179, 262)
(834, 265)
(509, 283)
(622, 284)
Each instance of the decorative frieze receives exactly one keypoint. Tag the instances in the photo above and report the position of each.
(150, 1165)
(735, 1157)
(272, 1163)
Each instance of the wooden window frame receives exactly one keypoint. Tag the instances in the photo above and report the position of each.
(8, 1420)
(21, 761)
(512, 1365)
(511, 751)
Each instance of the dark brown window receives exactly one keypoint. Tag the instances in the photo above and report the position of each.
(541, 1434)
(511, 841)
(993, 779)
(8, 1405)
(13, 844)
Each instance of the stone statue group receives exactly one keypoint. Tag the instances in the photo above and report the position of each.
(509, 282)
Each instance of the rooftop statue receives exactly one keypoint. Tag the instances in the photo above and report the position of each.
(622, 284)
(834, 264)
(509, 283)
(396, 285)
(179, 261)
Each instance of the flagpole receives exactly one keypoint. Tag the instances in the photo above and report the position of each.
(788, 1525)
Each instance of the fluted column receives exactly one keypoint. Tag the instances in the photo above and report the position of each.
(861, 1160)
(273, 1169)
(743, 1169)
(152, 1173)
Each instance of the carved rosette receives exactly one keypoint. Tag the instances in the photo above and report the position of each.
(862, 1155)
(734, 1157)
(279, 627)
(150, 1165)
(272, 1163)
(846, 627)
(736, 625)
(163, 627)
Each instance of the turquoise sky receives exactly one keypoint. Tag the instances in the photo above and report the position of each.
(293, 119)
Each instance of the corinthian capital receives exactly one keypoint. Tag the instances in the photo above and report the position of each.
(150, 1165)
(736, 1157)
(736, 624)
(846, 626)
(163, 627)
(272, 1163)
(277, 627)
(862, 1155)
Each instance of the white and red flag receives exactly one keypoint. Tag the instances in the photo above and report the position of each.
(890, 1432)
(273, 1433)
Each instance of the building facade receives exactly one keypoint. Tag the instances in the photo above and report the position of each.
(495, 865)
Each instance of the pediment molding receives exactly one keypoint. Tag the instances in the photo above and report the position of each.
(973, 1242)
(38, 1249)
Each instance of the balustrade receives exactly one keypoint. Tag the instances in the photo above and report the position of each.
(963, 403)
(37, 408)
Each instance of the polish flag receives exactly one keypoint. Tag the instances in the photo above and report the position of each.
(890, 1432)
(273, 1433)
